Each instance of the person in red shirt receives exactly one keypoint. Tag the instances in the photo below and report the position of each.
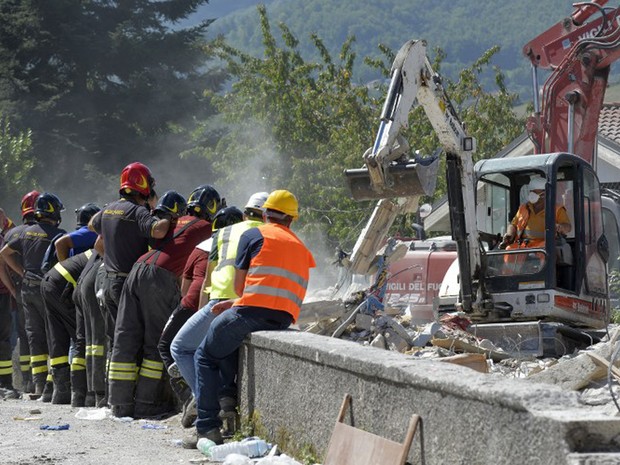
(137, 382)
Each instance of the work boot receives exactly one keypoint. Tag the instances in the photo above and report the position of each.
(181, 390)
(38, 390)
(190, 413)
(161, 410)
(78, 399)
(48, 390)
(101, 399)
(62, 385)
(174, 372)
(228, 414)
(27, 384)
(90, 400)
(120, 411)
(191, 442)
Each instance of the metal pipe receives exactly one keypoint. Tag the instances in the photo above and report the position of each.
(535, 88)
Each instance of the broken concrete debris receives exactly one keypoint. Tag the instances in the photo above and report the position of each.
(544, 352)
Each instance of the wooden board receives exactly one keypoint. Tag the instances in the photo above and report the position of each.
(352, 446)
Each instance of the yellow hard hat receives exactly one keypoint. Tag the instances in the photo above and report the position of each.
(282, 201)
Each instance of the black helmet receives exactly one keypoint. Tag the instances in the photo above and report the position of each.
(226, 217)
(204, 201)
(85, 213)
(48, 206)
(172, 203)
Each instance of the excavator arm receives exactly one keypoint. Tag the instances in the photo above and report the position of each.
(579, 55)
(390, 173)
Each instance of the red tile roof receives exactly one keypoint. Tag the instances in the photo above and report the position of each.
(609, 121)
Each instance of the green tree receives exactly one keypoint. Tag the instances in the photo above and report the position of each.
(102, 83)
(298, 124)
(16, 178)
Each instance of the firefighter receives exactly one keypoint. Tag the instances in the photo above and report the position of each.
(219, 283)
(88, 385)
(13, 283)
(57, 289)
(194, 276)
(149, 296)
(272, 272)
(80, 240)
(32, 245)
(126, 226)
(6, 326)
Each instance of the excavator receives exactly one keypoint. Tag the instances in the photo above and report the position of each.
(564, 277)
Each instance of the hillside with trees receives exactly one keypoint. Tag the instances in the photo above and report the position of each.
(464, 30)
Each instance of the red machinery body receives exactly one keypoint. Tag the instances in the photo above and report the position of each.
(579, 55)
(415, 279)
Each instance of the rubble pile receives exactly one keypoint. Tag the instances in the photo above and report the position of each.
(544, 356)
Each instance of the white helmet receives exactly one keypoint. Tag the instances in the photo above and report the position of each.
(256, 201)
(536, 183)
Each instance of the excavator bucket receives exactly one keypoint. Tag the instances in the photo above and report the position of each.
(405, 179)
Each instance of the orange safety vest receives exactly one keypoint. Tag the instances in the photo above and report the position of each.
(278, 275)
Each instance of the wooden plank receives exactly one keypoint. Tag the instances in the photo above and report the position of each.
(352, 446)
(476, 362)
(458, 345)
(596, 358)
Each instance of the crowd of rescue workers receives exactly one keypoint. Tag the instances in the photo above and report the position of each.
(144, 306)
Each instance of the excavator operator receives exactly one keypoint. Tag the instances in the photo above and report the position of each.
(527, 228)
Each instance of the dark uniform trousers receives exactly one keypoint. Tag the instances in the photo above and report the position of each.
(24, 348)
(90, 327)
(36, 328)
(149, 296)
(60, 314)
(6, 326)
(179, 317)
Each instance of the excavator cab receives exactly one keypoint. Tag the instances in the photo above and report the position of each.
(551, 276)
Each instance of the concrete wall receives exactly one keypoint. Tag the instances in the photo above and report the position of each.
(296, 382)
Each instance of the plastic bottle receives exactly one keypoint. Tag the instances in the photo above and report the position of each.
(250, 447)
(205, 445)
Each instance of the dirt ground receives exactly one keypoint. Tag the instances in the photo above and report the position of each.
(106, 441)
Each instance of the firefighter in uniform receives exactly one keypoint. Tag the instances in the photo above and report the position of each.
(125, 227)
(57, 289)
(90, 309)
(272, 271)
(6, 307)
(149, 296)
(32, 245)
(194, 275)
(80, 240)
(13, 282)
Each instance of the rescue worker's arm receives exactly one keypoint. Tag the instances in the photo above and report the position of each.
(160, 229)
(8, 255)
(95, 222)
(63, 246)
(5, 278)
(511, 233)
(99, 246)
(206, 284)
(240, 281)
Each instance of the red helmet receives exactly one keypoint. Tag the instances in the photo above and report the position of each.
(28, 202)
(137, 177)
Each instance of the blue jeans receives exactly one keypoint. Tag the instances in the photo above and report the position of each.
(188, 339)
(217, 361)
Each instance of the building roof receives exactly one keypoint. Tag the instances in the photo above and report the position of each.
(609, 121)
